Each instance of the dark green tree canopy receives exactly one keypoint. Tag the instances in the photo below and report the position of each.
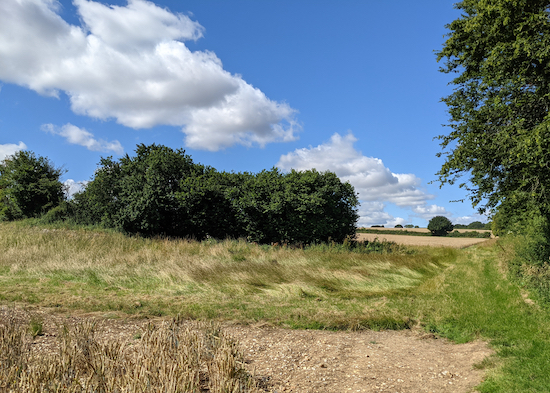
(138, 193)
(499, 51)
(473, 225)
(29, 186)
(440, 226)
(295, 207)
(160, 191)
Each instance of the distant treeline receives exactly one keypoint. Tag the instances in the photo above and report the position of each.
(474, 225)
(469, 234)
(161, 191)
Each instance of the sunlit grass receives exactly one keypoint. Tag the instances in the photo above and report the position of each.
(474, 299)
(319, 286)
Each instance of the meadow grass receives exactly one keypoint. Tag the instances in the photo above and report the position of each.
(322, 286)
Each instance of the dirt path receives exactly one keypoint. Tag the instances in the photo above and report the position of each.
(322, 361)
(388, 361)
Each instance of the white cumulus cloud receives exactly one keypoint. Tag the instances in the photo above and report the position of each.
(375, 183)
(10, 149)
(131, 64)
(372, 213)
(78, 136)
(72, 187)
(428, 212)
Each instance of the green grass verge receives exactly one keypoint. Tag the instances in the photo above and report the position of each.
(474, 299)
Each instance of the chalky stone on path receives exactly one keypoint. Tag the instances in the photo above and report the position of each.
(367, 361)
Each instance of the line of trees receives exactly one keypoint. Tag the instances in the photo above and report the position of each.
(499, 110)
(474, 225)
(161, 191)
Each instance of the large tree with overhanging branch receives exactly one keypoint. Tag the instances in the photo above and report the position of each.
(498, 147)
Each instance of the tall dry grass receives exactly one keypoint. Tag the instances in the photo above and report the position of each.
(330, 286)
(168, 358)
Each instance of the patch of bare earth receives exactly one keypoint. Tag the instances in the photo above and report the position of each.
(286, 360)
(436, 241)
(387, 361)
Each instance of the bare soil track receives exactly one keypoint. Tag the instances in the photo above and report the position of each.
(323, 361)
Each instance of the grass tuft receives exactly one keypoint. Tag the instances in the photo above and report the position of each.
(36, 326)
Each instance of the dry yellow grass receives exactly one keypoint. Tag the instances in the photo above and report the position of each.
(323, 286)
(167, 358)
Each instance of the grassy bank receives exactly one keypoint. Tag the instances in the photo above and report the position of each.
(324, 286)
(474, 299)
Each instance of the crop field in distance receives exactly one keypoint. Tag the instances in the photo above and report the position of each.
(430, 241)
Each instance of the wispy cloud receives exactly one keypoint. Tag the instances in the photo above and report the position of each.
(79, 136)
(9, 149)
(375, 183)
(131, 64)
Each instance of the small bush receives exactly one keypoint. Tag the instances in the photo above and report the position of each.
(60, 213)
(398, 226)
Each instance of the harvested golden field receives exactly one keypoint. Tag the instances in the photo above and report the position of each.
(425, 230)
(435, 241)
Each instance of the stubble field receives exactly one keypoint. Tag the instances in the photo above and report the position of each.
(432, 241)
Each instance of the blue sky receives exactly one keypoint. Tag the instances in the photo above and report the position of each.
(347, 86)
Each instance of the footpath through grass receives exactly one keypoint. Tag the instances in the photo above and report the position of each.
(459, 294)
(472, 299)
